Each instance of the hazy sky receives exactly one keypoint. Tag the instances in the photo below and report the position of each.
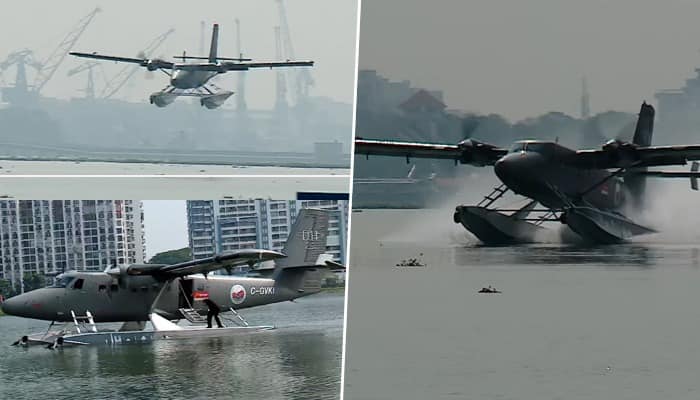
(524, 57)
(323, 31)
(165, 223)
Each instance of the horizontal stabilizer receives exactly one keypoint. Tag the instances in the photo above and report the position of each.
(693, 174)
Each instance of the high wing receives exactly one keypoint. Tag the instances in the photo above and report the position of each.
(151, 64)
(206, 265)
(236, 66)
(334, 264)
(624, 155)
(469, 151)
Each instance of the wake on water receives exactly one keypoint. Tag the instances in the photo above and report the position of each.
(670, 207)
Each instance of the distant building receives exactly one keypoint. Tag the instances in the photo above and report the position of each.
(422, 102)
(52, 236)
(585, 100)
(374, 92)
(216, 226)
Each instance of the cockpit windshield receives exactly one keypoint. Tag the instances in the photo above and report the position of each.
(544, 148)
(62, 281)
(518, 147)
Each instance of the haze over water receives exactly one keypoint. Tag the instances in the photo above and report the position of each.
(613, 322)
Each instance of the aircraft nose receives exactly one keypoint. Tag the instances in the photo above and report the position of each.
(516, 168)
(505, 167)
(11, 306)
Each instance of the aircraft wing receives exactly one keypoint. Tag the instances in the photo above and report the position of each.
(206, 265)
(234, 66)
(622, 155)
(469, 151)
(334, 264)
(155, 64)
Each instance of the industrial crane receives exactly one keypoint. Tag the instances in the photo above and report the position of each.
(114, 84)
(86, 66)
(241, 105)
(53, 61)
(118, 81)
(281, 88)
(21, 59)
(22, 91)
(302, 78)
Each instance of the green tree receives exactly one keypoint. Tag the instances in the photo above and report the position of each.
(33, 281)
(6, 289)
(172, 256)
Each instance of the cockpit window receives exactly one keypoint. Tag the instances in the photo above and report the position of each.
(78, 284)
(518, 147)
(544, 148)
(62, 282)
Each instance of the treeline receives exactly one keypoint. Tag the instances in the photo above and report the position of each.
(31, 281)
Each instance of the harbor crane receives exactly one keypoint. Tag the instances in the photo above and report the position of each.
(23, 92)
(302, 78)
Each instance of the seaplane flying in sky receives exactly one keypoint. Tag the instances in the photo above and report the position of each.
(133, 294)
(585, 189)
(193, 78)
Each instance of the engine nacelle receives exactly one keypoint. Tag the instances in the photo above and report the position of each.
(477, 153)
(162, 99)
(625, 153)
(214, 100)
(154, 64)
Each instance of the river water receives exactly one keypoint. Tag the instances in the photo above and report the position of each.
(301, 359)
(608, 322)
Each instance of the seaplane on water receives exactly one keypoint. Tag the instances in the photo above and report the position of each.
(193, 78)
(133, 294)
(585, 189)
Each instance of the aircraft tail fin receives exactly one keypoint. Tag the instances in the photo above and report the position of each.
(643, 132)
(307, 238)
(645, 126)
(307, 263)
(214, 43)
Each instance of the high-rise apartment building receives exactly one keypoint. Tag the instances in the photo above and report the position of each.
(217, 226)
(50, 236)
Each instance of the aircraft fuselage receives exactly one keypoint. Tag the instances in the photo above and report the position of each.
(539, 170)
(190, 79)
(131, 298)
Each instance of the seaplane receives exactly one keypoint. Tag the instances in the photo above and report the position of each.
(166, 294)
(587, 190)
(194, 78)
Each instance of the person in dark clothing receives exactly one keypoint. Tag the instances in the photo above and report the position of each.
(214, 311)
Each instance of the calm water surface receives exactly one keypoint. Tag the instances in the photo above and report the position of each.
(610, 322)
(299, 360)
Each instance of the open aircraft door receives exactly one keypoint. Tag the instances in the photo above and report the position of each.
(185, 299)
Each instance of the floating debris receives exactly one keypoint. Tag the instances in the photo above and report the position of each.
(489, 289)
(411, 262)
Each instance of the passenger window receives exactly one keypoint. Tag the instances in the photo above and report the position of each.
(78, 284)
